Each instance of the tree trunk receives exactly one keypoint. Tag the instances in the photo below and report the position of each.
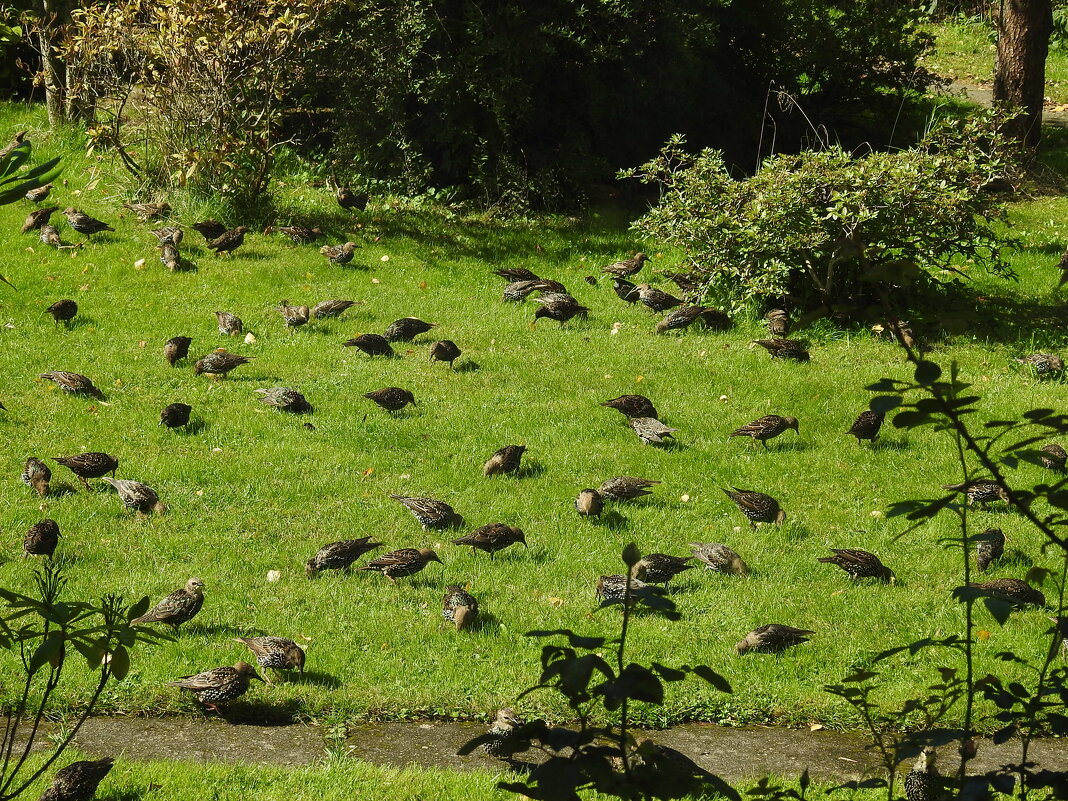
(1024, 28)
(54, 75)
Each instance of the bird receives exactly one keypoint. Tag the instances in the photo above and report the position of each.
(92, 464)
(179, 607)
(613, 589)
(339, 254)
(300, 234)
(219, 685)
(507, 737)
(1055, 456)
(757, 506)
(176, 348)
(276, 653)
(349, 200)
(444, 350)
(229, 241)
(559, 306)
(623, 488)
(229, 324)
(859, 564)
(650, 430)
(78, 780)
(1043, 364)
(492, 538)
(867, 425)
(660, 568)
(919, 782)
(506, 460)
(406, 329)
(149, 211)
(626, 267)
(168, 233)
(625, 290)
(39, 194)
(392, 399)
(459, 607)
(169, 256)
(371, 344)
(513, 274)
(175, 415)
(657, 299)
(633, 406)
(401, 563)
(716, 320)
(903, 333)
(981, 490)
(74, 383)
(778, 321)
(518, 291)
(41, 539)
(339, 555)
(719, 557)
(135, 495)
(285, 398)
(784, 349)
(331, 308)
(209, 229)
(767, 427)
(63, 310)
(219, 363)
(13, 144)
(772, 639)
(990, 547)
(295, 316)
(431, 514)
(37, 475)
(1015, 591)
(682, 317)
(84, 224)
(38, 218)
(588, 503)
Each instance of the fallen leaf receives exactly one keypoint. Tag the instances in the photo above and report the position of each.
(139, 264)
(274, 575)
(422, 284)
(685, 498)
(375, 281)
(836, 593)
(250, 338)
(639, 379)
(385, 258)
(142, 343)
(983, 634)
(368, 471)
(557, 602)
(815, 727)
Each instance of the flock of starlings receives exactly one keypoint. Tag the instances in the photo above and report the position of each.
(220, 685)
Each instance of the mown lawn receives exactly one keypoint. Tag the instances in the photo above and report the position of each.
(251, 490)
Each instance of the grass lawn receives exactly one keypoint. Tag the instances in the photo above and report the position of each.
(251, 490)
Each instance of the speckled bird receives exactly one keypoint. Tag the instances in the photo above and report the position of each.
(149, 211)
(767, 427)
(559, 306)
(681, 318)
(63, 311)
(772, 639)
(170, 257)
(219, 363)
(492, 538)
(285, 398)
(175, 415)
(920, 781)
(867, 425)
(78, 780)
(990, 547)
(74, 383)
(84, 224)
(298, 234)
(294, 316)
(229, 241)
(508, 737)
(719, 557)
(209, 229)
(339, 555)
(37, 475)
(169, 234)
(716, 320)
(1043, 364)
(219, 685)
(371, 344)
(757, 506)
(92, 464)
(431, 513)
(137, 496)
(176, 348)
(513, 274)
(784, 349)
(622, 488)
(588, 503)
(1017, 592)
(350, 200)
(625, 290)
(519, 291)
(401, 563)
(339, 254)
(633, 406)
(37, 218)
(859, 564)
(229, 324)
(331, 308)
(650, 430)
(506, 460)
(275, 653)
(41, 539)
(179, 607)
(1055, 456)
(778, 322)
(627, 267)
(657, 299)
(49, 235)
(980, 490)
(660, 568)
(459, 607)
(444, 350)
(14, 143)
(392, 399)
(614, 588)
(39, 194)
(406, 329)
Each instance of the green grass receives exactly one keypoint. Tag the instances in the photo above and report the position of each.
(253, 490)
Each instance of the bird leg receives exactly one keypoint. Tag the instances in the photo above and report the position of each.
(86, 483)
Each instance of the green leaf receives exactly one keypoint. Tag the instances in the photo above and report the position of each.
(120, 663)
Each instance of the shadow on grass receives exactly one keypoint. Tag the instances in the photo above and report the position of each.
(214, 629)
(611, 520)
(890, 444)
(467, 366)
(315, 677)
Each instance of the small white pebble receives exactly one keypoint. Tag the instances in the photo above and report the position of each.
(737, 529)
(375, 281)
(723, 398)
(616, 327)
(274, 575)
(216, 450)
(385, 258)
(405, 475)
(685, 498)
(250, 338)
(139, 263)
(876, 513)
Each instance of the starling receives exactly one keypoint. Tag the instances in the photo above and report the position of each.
(295, 316)
(513, 274)
(286, 399)
(650, 430)
(867, 425)
(627, 267)
(371, 344)
(406, 329)
(63, 310)
(89, 465)
(517, 291)
(657, 299)
(219, 362)
(331, 308)
(633, 406)
(78, 781)
(660, 568)
(229, 241)
(36, 474)
(169, 234)
(1016, 592)
(41, 539)
(757, 506)
(508, 738)
(149, 211)
(229, 324)
(169, 256)
(209, 229)
(137, 496)
(614, 588)
(276, 653)
(392, 399)
(778, 321)
(1055, 456)
(349, 200)
(430, 513)
(623, 488)
(176, 348)
(492, 538)
(38, 218)
(1043, 364)
(459, 607)
(50, 236)
(84, 224)
(767, 427)
(903, 333)
(339, 555)
(682, 317)
(506, 460)
(219, 685)
(716, 320)
(919, 782)
(444, 350)
(14, 143)
(588, 503)
(981, 490)
(300, 234)
(177, 608)
(625, 290)
(719, 557)
(39, 194)
(175, 415)
(339, 254)
(559, 306)
(401, 563)
(859, 564)
(772, 639)
(990, 547)
(784, 349)
(74, 383)
(687, 283)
